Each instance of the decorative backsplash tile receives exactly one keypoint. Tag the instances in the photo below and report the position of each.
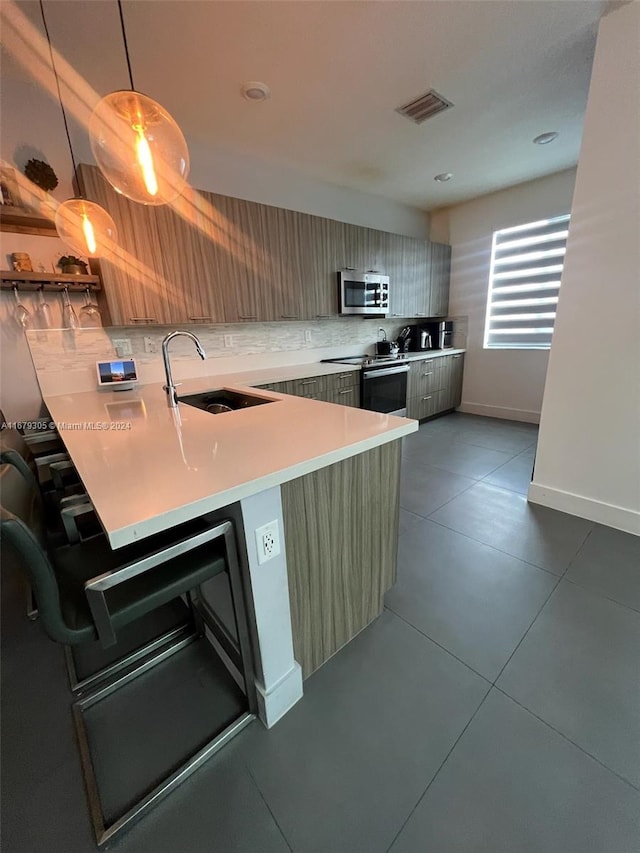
(65, 359)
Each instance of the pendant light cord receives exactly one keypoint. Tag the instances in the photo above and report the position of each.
(55, 74)
(126, 45)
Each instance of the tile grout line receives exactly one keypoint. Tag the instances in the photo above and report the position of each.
(435, 775)
(600, 594)
(566, 737)
(426, 517)
(268, 807)
(439, 645)
(487, 545)
(544, 604)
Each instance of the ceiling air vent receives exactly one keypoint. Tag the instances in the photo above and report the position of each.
(424, 107)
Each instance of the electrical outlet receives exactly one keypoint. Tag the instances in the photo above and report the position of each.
(268, 541)
(149, 344)
(228, 340)
(122, 346)
(307, 336)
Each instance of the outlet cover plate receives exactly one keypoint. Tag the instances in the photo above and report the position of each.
(268, 541)
(122, 346)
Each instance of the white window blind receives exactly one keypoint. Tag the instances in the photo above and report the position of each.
(524, 282)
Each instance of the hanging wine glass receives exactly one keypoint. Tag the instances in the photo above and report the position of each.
(89, 313)
(69, 316)
(21, 314)
(44, 311)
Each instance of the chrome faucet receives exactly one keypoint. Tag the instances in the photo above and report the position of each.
(170, 387)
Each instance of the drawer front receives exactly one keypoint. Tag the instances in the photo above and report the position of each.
(423, 406)
(344, 380)
(312, 386)
(428, 376)
(345, 396)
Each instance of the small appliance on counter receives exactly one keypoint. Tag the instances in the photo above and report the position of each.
(385, 347)
(404, 339)
(436, 334)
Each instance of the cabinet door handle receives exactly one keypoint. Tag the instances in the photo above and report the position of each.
(427, 398)
(456, 356)
(196, 319)
(396, 315)
(420, 314)
(428, 374)
(143, 319)
(309, 381)
(247, 317)
(346, 391)
(288, 316)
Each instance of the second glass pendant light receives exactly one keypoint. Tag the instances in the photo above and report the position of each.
(86, 228)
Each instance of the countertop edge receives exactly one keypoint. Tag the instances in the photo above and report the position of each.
(128, 535)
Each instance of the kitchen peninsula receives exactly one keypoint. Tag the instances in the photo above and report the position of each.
(328, 474)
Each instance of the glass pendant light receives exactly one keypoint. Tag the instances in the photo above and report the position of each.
(85, 227)
(138, 146)
(82, 225)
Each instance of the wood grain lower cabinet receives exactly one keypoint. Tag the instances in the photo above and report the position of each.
(455, 380)
(341, 535)
(434, 385)
(341, 388)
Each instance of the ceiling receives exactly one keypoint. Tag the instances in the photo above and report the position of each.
(338, 70)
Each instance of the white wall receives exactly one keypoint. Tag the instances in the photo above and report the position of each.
(500, 383)
(588, 460)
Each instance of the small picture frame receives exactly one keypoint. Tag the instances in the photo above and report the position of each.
(9, 188)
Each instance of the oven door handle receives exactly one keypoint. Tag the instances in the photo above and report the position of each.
(371, 374)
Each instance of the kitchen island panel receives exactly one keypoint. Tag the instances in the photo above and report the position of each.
(341, 534)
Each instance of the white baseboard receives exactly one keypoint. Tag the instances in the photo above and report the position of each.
(604, 513)
(281, 697)
(500, 412)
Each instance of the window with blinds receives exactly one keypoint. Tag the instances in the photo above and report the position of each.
(524, 282)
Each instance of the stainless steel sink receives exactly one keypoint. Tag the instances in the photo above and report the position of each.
(219, 402)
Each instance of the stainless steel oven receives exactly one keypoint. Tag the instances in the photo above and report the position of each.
(384, 388)
(383, 382)
(363, 293)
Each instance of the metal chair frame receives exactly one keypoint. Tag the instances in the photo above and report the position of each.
(164, 647)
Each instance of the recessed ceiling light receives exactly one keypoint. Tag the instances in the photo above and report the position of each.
(546, 138)
(255, 91)
(443, 177)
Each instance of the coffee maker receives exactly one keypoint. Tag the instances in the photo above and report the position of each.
(435, 334)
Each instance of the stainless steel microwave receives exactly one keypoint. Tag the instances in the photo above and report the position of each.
(363, 293)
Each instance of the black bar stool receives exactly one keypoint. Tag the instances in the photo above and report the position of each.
(87, 592)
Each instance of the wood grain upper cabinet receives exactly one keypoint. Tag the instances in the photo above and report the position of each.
(401, 267)
(322, 244)
(187, 231)
(244, 267)
(440, 278)
(135, 284)
(422, 272)
(286, 261)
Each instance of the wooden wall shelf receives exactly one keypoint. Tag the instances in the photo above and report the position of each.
(24, 221)
(47, 281)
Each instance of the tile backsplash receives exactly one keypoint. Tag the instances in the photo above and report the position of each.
(65, 359)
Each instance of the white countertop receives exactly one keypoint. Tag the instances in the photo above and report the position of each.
(284, 373)
(174, 465)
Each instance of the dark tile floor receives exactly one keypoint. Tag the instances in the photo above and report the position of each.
(494, 706)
